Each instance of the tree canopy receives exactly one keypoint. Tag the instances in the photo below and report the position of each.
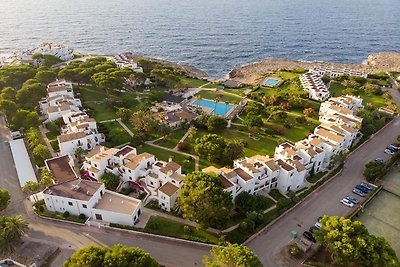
(110, 181)
(115, 256)
(203, 199)
(374, 170)
(4, 199)
(233, 255)
(216, 123)
(216, 149)
(11, 230)
(349, 242)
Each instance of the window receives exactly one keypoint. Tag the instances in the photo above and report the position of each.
(101, 193)
(99, 217)
(70, 203)
(291, 174)
(84, 206)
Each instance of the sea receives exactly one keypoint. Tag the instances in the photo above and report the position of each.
(212, 35)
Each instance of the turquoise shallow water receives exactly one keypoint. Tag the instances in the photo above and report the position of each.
(219, 108)
(215, 36)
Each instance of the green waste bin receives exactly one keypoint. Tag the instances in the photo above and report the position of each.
(293, 234)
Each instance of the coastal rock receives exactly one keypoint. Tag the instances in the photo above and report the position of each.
(255, 72)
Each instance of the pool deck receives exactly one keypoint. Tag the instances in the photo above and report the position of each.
(209, 111)
(279, 82)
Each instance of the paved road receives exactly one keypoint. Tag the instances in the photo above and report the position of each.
(324, 201)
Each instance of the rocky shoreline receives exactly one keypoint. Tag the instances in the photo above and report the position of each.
(255, 72)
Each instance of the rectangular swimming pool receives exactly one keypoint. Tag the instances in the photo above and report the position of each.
(218, 108)
(271, 82)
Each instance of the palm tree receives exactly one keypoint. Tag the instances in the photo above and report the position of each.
(12, 230)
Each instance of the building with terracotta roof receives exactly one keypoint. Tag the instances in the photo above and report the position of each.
(90, 198)
(62, 168)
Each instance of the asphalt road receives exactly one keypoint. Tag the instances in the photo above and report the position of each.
(325, 200)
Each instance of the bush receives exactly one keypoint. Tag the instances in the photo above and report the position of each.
(294, 251)
(279, 130)
(247, 226)
(82, 216)
(66, 214)
(187, 229)
(41, 208)
(182, 146)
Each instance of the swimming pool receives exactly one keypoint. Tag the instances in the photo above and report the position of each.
(271, 82)
(218, 108)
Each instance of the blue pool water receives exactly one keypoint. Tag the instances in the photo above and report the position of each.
(219, 108)
(271, 82)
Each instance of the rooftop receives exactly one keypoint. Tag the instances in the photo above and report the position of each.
(75, 189)
(71, 136)
(118, 203)
(169, 189)
(61, 169)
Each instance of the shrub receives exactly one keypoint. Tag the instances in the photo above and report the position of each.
(294, 251)
(82, 216)
(41, 208)
(182, 146)
(246, 226)
(66, 214)
(187, 229)
(279, 130)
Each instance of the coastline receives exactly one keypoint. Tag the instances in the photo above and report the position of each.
(253, 73)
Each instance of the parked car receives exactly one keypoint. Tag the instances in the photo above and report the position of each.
(352, 199)
(318, 225)
(362, 188)
(395, 146)
(319, 218)
(380, 160)
(368, 186)
(390, 152)
(347, 202)
(312, 229)
(359, 192)
(309, 236)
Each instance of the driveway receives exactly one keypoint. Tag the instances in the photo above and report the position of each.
(325, 200)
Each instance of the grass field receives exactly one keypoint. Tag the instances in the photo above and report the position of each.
(163, 226)
(224, 97)
(93, 98)
(337, 88)
(163, 154)
(173, 139)
(190, 82)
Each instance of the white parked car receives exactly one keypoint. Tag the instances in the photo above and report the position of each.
(388, 151)
(347, 202)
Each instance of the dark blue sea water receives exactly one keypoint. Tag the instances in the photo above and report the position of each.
(213, 35)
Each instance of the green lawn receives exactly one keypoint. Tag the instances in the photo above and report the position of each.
(52, 135)
(190, 82)
(275, 194)
(173, 139)
(213, 85)
(163, 154)
(224, 97)
(121, 136)
(93, 98)
(378, 101)
(163, 226)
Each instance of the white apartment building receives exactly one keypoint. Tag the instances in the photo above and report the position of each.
(335, 72)
(310, 157)
(59, 101)
(78, 196)
(315, 87)
(70, 142)
(162, 179)
(61, 51)
(123, 62)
